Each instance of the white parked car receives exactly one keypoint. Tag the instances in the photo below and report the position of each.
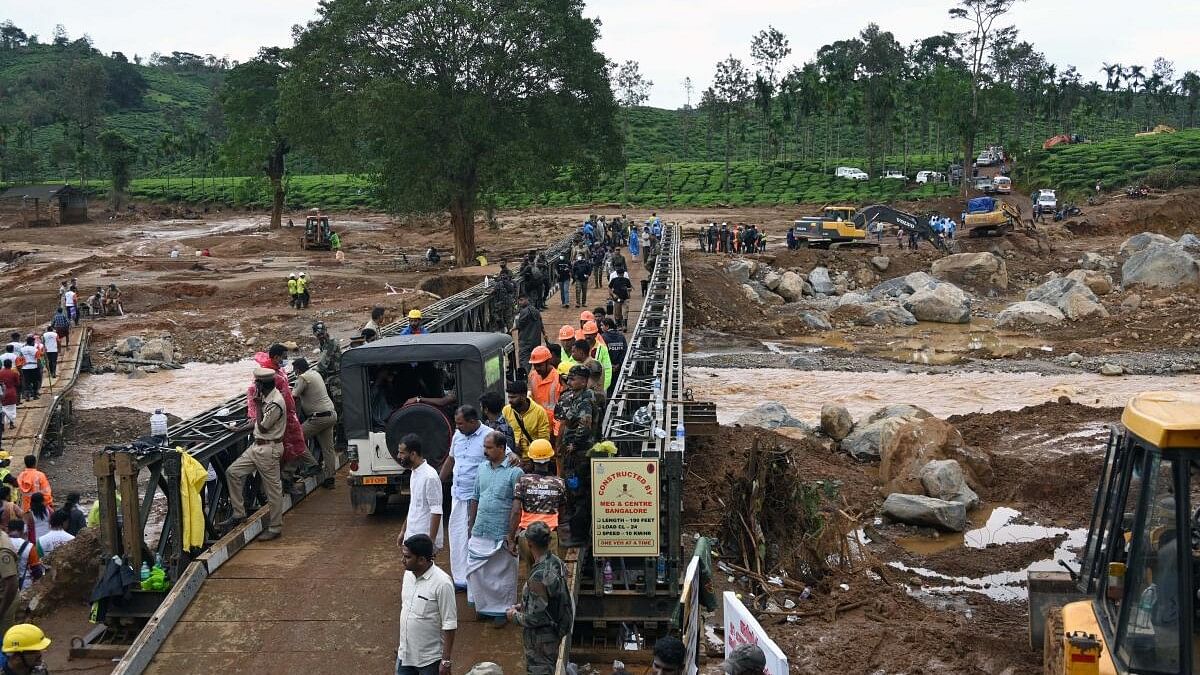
(895, 174)
(986, 158)
(1045, 201)
(851, 172)
(930, 177)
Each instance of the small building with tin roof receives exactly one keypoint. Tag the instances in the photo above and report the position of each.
(34, 205)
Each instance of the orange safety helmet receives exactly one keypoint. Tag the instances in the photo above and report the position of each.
(566, 333)
(585, 315)
(540, 355)
(578, 335)
(590, 328)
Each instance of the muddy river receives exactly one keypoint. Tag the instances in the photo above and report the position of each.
(183, 393)
(736, 390)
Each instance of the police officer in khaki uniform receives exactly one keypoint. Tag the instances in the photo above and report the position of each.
(8, 583)
(262, 456)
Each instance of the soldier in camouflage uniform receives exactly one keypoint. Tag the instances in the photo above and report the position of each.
(330, 368)
(504, 299)
(576, 411)
(546, 611)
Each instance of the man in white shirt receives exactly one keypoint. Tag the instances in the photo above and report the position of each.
(466, 454)
(57, 536)
(31, 372)
(425, 488)
(16, 535)
(428, 614)
(69, 299)
(50, 339)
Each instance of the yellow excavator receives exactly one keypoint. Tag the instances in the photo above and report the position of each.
(834, 228)
(1132, 606)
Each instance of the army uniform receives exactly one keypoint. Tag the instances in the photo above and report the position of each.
(8, 570)
(262, 456)
(504, 299)
(577, 411)
(330, 368)
(542, 599)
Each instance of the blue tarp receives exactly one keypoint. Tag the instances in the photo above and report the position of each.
(981, 205)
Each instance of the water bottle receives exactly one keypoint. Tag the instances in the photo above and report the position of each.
(145, 573)
(158, 423)
(656, 392)
(608, 577)
(680, 434)
(662, 569)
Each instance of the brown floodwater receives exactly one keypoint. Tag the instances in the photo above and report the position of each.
(183, 393)
(737, 390)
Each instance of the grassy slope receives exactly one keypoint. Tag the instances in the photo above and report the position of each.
(1162, 160)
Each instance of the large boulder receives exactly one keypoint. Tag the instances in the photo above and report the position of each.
(865, 443)
(922, 510)
(982, 272)
(899, 410)
(1189, 242)
(944, 303)
(1074, 299)
(816, 320)
(1030, 312)
(1139, 242)
(771, 279)
(791, 286)
(944, 479)
(1097, 282)
(889, 315)
(769, 415)
(821, 281)
(756, 292)
(128, 346)
(881, 263)
(1161, 267)
(741, 269)
(836, 421)
(1095, 261)
(158, 349)
(901, 286)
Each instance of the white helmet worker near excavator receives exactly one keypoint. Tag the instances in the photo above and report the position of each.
(414, 326)
(23, 646)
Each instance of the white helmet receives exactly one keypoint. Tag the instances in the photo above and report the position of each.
(292, 275)
(302, 274)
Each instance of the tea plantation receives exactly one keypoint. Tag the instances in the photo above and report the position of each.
(1161, 161)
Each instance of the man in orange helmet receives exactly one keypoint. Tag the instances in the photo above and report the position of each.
(566, 338)
(598, 350)
(545, 384)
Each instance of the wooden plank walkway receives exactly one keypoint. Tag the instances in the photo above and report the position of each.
(33, 417)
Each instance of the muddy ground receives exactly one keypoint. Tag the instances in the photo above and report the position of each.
(898, 615)
(919, 600)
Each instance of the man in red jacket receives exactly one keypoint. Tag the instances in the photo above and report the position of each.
(10, 381)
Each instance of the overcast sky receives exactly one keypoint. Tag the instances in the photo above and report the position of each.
(672, 39)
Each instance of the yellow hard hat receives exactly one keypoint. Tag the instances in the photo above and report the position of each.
(25, 637)
(6, 455)
(414, 313)
(541, 451)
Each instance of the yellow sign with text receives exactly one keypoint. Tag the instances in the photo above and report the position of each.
(625, 498)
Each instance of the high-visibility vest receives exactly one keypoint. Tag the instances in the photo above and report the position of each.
(293, 287)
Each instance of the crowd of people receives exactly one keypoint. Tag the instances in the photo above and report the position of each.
(741, 238)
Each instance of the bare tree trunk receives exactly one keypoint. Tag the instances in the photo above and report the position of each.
(274, 170)
(462, 223)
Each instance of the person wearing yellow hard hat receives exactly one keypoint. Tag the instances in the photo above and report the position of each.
(541, 494)
(23, 646)
(414, 326)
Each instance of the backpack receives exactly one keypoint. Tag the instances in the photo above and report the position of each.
(564, 609)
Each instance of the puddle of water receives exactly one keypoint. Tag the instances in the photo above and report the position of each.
(737, 390)
(183, 393)
(999, 529)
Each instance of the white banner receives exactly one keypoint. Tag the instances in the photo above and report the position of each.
(690, 602)
(742, 628)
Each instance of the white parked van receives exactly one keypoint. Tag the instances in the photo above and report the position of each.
(930, 177)
(851, 172)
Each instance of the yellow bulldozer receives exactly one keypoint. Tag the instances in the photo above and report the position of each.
(988, 216)
(1132, 605)
(834, 228)
(317, 232)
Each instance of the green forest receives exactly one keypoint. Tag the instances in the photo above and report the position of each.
(168, 126)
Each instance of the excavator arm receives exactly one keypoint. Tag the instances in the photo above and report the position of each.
(880, 213)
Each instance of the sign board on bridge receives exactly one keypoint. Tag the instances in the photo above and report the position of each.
(625, 519)
(741, 628)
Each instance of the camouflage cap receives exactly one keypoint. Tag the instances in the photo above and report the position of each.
(538, 534)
